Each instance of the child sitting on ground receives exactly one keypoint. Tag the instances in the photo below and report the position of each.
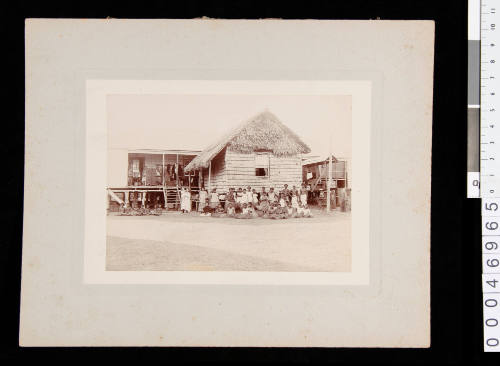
(230, 209)
(290, 210)
(300, 210)
(306, 211)
(245, 214)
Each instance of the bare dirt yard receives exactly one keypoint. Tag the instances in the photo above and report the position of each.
(189, 242)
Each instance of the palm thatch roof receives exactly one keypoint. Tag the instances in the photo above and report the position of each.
(262, 132)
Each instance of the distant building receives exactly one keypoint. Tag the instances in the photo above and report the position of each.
(315, 172)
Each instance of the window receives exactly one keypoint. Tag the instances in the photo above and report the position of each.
(135, 168)
(261, 172)
(262, 165)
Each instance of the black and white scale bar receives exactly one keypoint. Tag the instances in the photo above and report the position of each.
(473, 98)
(484, 17)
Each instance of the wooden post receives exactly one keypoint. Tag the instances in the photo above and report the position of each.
(127, 199)
(163, 170)
(200, 176)
(210, 177)
(329, 181)
(269, 170)
(108, 199)
(177, 173)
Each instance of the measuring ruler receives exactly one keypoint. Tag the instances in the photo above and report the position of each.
(484, 127)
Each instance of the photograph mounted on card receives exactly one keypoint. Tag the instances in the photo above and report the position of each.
(233, 203)
(227, 183)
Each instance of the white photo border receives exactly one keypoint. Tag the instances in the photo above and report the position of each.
(96, 180)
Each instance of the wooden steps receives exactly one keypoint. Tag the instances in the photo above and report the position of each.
(173, 195)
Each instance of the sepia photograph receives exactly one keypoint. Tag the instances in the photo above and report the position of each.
(229, 183)
(204, 183)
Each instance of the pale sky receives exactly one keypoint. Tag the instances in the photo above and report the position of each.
(193, 122)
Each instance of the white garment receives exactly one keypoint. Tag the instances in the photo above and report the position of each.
(282, 202)
(203, 196)
(303, 198)
(255, 198)
(203, 200)
(244, 198)
(186, 201)
(249, 196)
(271, 196)
(295, 202)
(214, 197)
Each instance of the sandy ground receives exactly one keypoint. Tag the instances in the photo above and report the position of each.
(189, 242)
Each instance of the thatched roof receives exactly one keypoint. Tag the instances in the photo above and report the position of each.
(262, 132)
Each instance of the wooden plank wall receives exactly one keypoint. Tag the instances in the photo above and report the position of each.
(218, 176)
(240, 172)
(286, 170)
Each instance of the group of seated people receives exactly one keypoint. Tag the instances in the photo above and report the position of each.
(248, 203)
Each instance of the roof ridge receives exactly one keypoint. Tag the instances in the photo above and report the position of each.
(212, 150)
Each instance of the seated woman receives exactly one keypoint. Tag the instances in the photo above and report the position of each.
(271, 209)
(279, 212)
(219, 211)
(245, 212)
(251, 211)
(263, 207)
(207, 211)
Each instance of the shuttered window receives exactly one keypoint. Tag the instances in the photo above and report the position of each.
(262, 165)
